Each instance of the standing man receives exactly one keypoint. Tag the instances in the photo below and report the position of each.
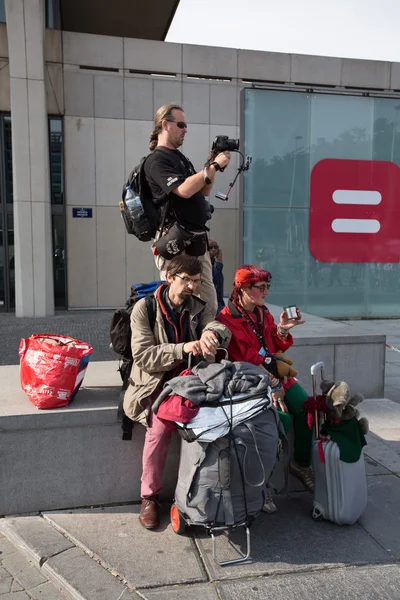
(183, 325)
(217, 268)
(171, 175)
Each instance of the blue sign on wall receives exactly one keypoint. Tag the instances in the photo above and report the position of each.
(82, 213)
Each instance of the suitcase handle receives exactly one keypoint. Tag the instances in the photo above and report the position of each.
(318, 366)
(190, 356)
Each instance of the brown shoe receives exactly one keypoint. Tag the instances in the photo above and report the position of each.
(148, 516)
(304, 474)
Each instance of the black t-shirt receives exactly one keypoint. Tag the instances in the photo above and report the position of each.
(165, 170)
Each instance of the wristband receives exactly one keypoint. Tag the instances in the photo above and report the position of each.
(216, 165)
(206, 177)
(277, 388)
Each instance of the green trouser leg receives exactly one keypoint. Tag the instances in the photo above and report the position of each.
(294, 399)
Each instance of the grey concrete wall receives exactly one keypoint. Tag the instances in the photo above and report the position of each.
(109, 88)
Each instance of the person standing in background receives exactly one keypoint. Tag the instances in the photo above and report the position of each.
(217, 272)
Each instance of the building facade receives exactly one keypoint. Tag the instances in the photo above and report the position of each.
(76, 112)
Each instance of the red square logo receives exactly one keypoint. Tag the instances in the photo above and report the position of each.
(355, 211)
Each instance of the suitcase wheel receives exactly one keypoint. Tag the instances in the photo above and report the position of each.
(316, 514)
(177, 521)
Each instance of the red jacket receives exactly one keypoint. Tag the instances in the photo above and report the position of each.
(245, 345)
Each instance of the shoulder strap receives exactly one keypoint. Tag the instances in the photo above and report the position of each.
(151, 309)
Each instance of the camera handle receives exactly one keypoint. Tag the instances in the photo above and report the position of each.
(246, 162)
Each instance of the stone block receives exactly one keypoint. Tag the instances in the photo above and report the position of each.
(348, 361)
(35, 537)
(197, 145)
(93, 50)
(38, 141)
(137, 136)
(5, 583)
(111, 282)
(196, 101)
(223, 104)
(209, 60)
(138, 98)
(15, 562)
(21, 151)
(153, 560)
(380, 581)
(53, 51)
(46, 591)
(79, 94)
(24, 292)
(382, 516)
(109, 152)
(152, 56)
(3, 41)
(76, 572)
(5, 99)
(265, 66)
(30, 578)
(395, 76)
(42, 257)
(34, 20)
(6, 548)
(166, 92)
(82, 244)
(289, 541)
(365, 73)
(79, 161)
(109, 96)
(197, 591)
(321, 70)
(16, 41)
(304, 356)
(54, 89)
(224, 229)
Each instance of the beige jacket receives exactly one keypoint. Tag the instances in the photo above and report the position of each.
(153, 354)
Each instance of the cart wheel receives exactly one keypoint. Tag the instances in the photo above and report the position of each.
(177, 521)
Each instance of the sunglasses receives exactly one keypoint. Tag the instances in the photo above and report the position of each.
(264, 287)
(214, 247)
(180, 124)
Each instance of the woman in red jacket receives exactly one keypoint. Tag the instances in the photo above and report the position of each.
(254, 336)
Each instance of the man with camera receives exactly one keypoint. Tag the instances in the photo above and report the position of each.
(173, 179)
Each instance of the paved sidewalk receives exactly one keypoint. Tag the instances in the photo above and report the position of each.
(20, 579)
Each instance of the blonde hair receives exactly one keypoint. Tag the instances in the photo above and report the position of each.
(164, 112)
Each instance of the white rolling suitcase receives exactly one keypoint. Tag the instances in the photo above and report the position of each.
(340, 488)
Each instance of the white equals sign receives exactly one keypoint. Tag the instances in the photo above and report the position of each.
(360, 197)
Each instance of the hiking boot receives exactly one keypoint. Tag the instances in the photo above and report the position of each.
(269, 505)
(303, 474)
(148, 516)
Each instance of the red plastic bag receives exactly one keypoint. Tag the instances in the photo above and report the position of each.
(52, 368)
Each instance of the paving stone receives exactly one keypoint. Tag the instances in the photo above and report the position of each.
(144, 558)
(197, 591)
(35, 535)
(16, 587)
(289, 540)
(382, 516)
(84, 575)
(3, 572)
(46, 591)
(16, 596)
(6, 548)
(30, 578)
(6, 584)
(377, 583)
(374, 468)
(15, 563)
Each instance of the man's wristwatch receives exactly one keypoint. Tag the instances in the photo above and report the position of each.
(216, 165)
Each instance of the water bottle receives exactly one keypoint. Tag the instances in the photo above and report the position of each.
(133, 204)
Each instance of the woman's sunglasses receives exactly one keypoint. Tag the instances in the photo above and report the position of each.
(264, 287)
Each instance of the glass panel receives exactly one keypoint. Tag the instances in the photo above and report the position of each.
(53, 19)
(59, 261)
(288, 134)
(8, 159)
(56, 161)
(2, 12)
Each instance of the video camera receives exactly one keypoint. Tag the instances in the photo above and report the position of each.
(223, 143)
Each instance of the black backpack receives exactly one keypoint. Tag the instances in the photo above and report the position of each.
(120, 336)
(143, 217)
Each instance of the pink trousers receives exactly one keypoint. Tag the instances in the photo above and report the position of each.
(158, 437)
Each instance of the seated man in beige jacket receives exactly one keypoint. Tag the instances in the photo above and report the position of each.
(183, 326)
